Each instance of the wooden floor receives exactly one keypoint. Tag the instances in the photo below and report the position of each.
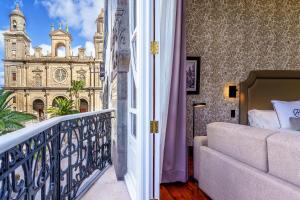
(188, 191)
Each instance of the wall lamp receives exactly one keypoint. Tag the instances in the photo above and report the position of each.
(232, 90)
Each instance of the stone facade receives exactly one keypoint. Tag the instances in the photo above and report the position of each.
(233, 38)
(38, 79)
(117, 65)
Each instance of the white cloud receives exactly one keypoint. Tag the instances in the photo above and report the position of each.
(46, 50)
(75, 50)
(90, 50)
(31, 50)
(1, 77)
(1, 40)
(77, 14)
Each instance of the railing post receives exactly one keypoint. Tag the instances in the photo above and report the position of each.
(58, 153)
(109, 138)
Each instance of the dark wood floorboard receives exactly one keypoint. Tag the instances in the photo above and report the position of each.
(185, 191)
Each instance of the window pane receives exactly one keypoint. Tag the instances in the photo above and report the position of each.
(14, 76)
(14, 46)
(134, 13)
(133, 124)
(134, 52)
(14, 25)
(133, 92)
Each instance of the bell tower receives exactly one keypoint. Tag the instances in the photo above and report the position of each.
(17, 43)
(99, 35)
(60, 39)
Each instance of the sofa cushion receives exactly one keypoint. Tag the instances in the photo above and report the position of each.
(225, 178)
(245, 144)
(284, 156)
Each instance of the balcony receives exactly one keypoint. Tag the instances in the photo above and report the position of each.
(60, 158)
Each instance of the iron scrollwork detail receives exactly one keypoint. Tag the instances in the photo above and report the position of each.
(54, 164)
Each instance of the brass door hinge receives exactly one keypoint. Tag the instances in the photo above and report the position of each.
(154, 47)
(154, 126)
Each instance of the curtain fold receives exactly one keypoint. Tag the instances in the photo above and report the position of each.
(174, 167)
(167, 33)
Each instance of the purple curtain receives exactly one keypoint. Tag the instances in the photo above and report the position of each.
(175, 151)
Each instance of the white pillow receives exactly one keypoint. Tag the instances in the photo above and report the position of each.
(263, 119)
(285, 110)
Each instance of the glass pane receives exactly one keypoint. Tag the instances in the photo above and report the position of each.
(133, 92)
(134, 13)
(133, 124)
(134, 52)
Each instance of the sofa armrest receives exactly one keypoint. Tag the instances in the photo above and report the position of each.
(198, 142)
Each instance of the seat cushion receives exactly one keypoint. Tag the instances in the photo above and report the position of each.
(225, 178)
(284, 156)
(244, 143)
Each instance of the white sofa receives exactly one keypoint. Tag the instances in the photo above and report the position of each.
(237, 162)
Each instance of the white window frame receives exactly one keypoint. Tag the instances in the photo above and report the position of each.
(144, 77)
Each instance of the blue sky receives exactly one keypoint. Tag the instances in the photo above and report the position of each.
(80, 15)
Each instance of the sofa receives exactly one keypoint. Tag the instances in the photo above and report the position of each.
(237, 162)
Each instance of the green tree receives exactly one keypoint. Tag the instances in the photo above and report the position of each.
(62, 107)
(77, 86)
(11, 120)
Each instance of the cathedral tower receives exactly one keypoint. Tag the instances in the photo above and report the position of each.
(98, 38)
(60, 39)
(17, 43)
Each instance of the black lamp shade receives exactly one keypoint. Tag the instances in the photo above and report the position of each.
(232, 91)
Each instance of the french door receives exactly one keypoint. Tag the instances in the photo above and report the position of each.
(131, 177)
(139, 178)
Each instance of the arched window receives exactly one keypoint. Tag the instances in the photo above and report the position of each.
(14, 25)
(60, 50)
(38, 80)
(84, 106)
(38, 106)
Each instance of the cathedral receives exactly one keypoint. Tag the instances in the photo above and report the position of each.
(38, 79)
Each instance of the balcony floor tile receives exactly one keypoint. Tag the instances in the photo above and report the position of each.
(108, 188)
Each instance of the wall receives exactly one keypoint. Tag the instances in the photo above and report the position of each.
(234, 37)
(116, 60)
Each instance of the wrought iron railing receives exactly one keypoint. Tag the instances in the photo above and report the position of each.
(58, 159)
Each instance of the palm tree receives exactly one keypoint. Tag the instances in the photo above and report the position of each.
(11, 120)
(62, 107)
(77, 86)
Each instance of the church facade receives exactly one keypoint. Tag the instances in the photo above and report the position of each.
(37, 80)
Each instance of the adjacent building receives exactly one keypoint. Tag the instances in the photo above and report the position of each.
(39, 79)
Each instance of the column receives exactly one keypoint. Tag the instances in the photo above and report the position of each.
(26, 79)
(6, 75)
(46, 103)
(71, 69)
(46, 70)
(26, 101)
(90, 75)
(90, 100)
(94, 103)
(94, 74)
(19, 78)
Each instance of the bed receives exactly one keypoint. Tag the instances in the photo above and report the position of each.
(238, 162)
(263, 86)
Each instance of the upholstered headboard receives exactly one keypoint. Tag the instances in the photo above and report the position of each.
(263, 86)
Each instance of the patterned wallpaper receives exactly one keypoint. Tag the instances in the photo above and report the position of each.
(234, 37)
